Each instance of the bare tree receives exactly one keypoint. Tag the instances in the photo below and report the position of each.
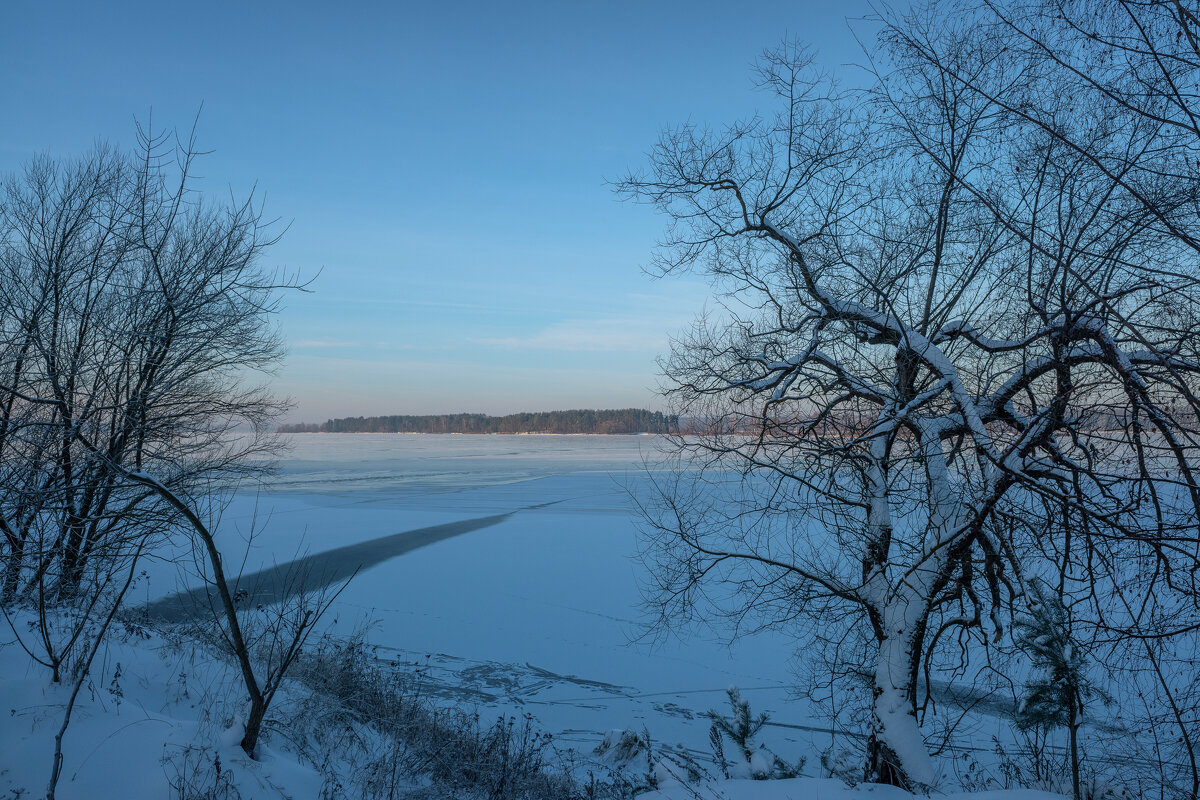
(266, 648)
(931, 312)
(135, 314)
(1112, 92)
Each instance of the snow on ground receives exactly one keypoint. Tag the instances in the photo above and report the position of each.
(154, 715)
(159, 713)
(537, 613)
(821, 789)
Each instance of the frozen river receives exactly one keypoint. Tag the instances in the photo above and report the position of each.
(526, 596)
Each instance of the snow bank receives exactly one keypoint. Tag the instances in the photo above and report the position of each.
(154, 715)
(821, 789)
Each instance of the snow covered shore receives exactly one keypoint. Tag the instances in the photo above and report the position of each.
(534, 615)
(159, 716)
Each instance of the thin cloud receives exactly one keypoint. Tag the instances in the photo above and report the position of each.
(324, 343)
(589, 335)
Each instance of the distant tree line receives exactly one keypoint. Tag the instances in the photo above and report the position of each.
(613, 421)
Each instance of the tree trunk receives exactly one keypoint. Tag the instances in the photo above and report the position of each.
(883, 765)
(1073, 729)
(895, 749)
(72, 560)
(258, 712)
(12, 571)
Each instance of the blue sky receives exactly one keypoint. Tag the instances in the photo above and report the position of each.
(442, 166)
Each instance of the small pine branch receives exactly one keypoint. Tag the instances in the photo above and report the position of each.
(1044, 634)
(717, 741)
(741, 727)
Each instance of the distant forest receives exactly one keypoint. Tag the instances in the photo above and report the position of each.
(624, 420)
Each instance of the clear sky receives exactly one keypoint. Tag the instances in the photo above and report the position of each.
(443, 166)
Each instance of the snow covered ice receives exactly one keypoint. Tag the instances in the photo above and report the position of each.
(536, 613)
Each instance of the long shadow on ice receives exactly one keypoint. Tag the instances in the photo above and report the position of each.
(319, 570)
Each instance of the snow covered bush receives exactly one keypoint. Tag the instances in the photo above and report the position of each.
(397, 741)
(741, 728)
(626, 749)
(196, 773)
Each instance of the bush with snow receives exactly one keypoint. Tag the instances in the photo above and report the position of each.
(739, 729)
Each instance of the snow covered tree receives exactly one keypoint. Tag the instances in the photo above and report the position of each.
(1111, 86)
(932, 315)
(1057, 694)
